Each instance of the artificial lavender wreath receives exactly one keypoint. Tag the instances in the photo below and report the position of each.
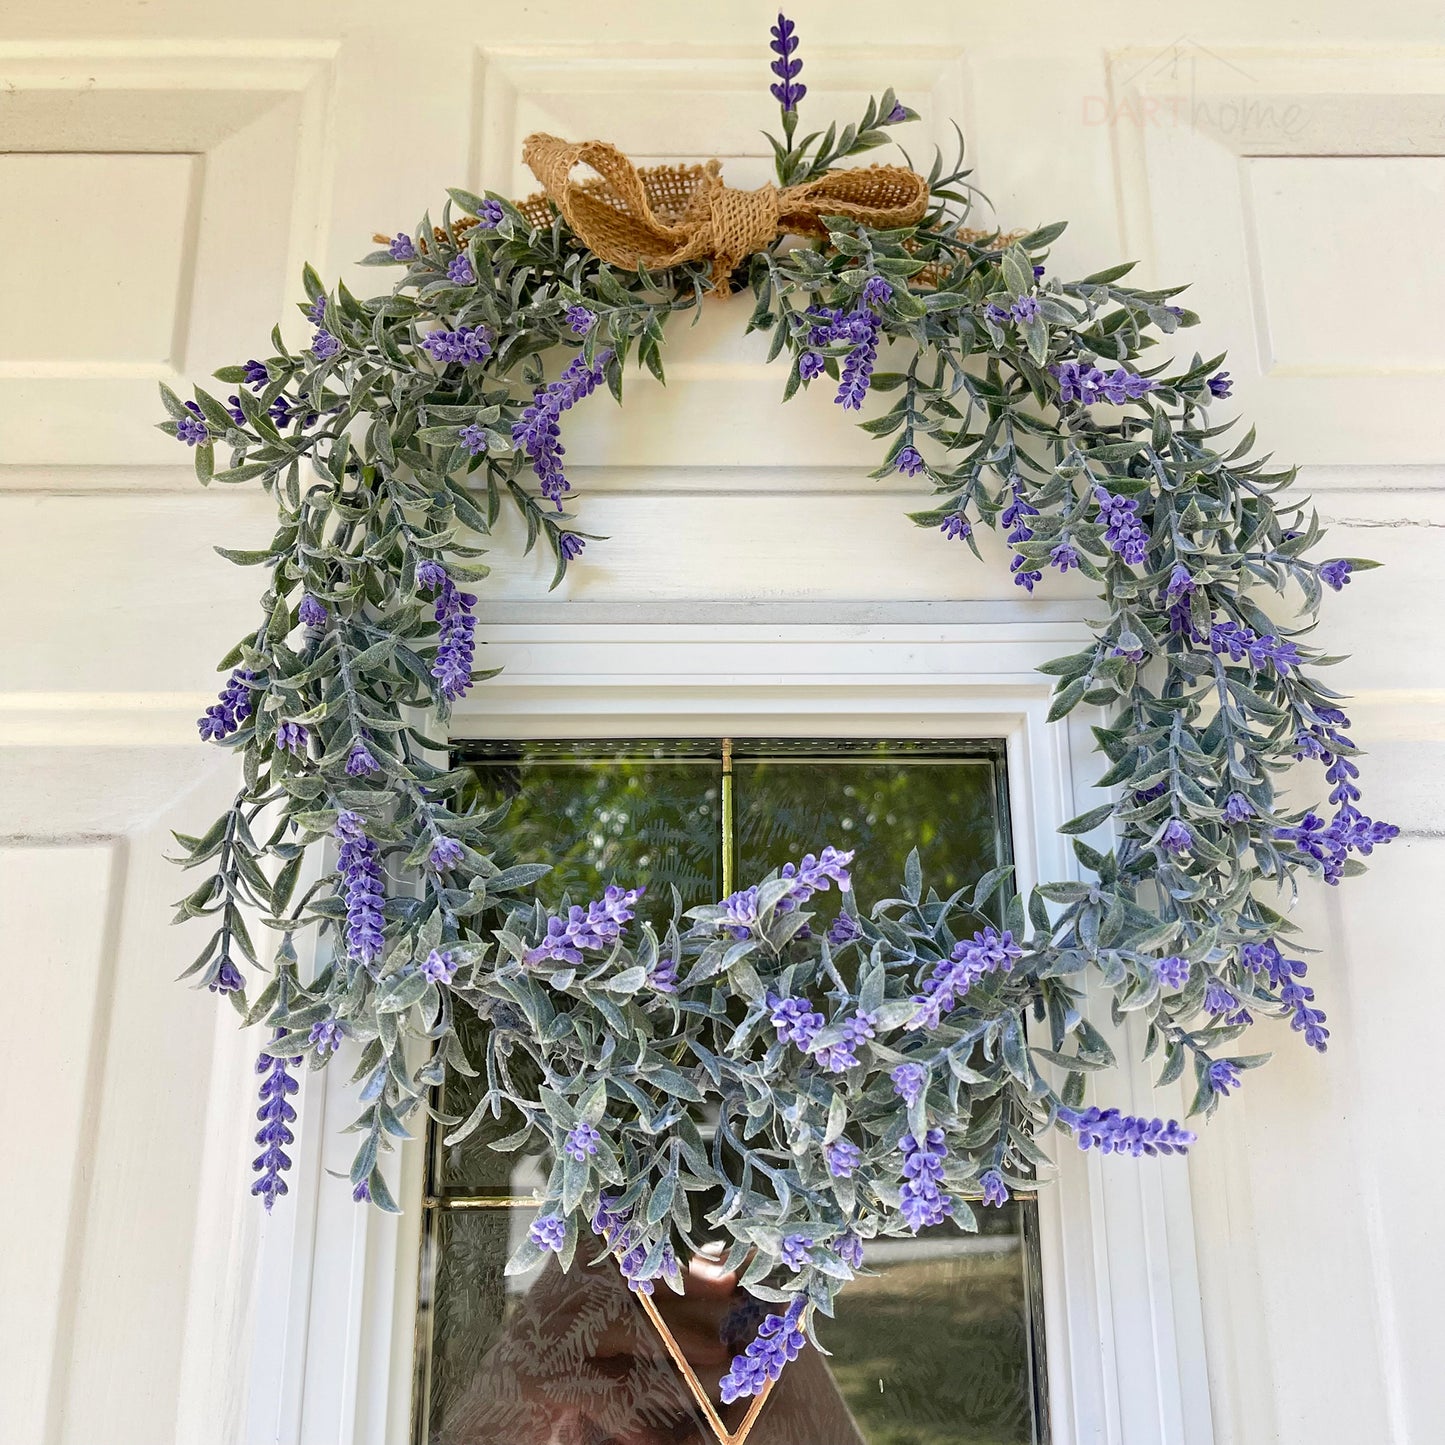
(831, 1074)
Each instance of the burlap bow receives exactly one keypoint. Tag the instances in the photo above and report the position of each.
(660, 216)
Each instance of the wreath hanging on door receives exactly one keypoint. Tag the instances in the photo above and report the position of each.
(867, 1071)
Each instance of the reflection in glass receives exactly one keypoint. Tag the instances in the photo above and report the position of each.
(939, 1344)
(946, 807)
(639, 818)
(932, 1346)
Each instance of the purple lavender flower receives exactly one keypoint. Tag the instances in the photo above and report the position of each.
(843, 1157)
(795, 1020)
(1078, 383)
(987, 952)
(446, 853)
(581, 1143)
(1223, 1076)
(1181, 584)
(326, 1036)
(276, 1114)
(324, 345)
(1120, 386)
(359, 864)
(955, 526)
(549, 1232)
(595, 927)
(921, 1201)
(810, 364)
(570, 545)
(813, 874)
(780, 1338)
(842, 930)
(1217, 998)
(456, 642)
(1220, 385)
(402, 247)
(1238, 808)
(293, 738)
(999, 315)
(256, 375)
(787, 90)
(439, 966)
(311, 613)
(233, 405)
(1063, 557)
(191, 429)
(895, 116)
(1038, 272)
(538, 432)
(1015, 516)
(580, 320)
(841, 1056)
(1243, 644)
(1331, 843)
(858, 365)
(909, 462)
(1285, 975)
(663, 977)
(849, 1248)
(469, 345)
(1336, 574)
(1172, 972)
(231, 708)
(876, 292)
(359, 761)
(1123, 532)
(795, 1251)
(227, 977)
(1176, 837)
(316, 312)
(490, 216)
(1111, 1132)
(995, 1191)
(1025, 308)
(362, 1193)
(460, 272)
(909, 1082)
(473, 438)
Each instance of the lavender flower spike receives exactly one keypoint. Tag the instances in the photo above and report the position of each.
(780, 1338)
(787, 90)
(595, 927)
(455, 625)
(276, 1114)
(359, 865)
(539, 434)
(230, 710)
(1111, 1132)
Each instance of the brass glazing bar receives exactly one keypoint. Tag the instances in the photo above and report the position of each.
(468, 1201)
(727, 816)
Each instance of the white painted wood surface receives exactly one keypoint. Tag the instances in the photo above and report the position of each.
(163, 171)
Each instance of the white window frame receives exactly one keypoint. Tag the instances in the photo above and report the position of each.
(335, 1291)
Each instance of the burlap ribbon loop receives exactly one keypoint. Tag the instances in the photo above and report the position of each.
(661, 216)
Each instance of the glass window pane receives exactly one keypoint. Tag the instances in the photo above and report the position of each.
(940, 1344)
(645, 814)
(601, 814)
(880, 803)
(932, 1346)
(538, 1358)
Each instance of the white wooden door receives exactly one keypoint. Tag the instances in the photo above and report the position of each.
(164, 171)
